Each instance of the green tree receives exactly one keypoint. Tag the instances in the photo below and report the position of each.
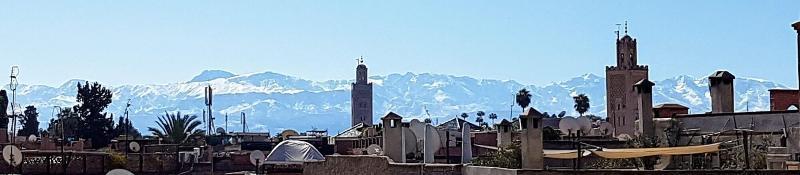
(176, 129)
(123, 126)
(30, 122)
(506, 157)
(523, 98)
(581, 104)
(493, 116)
(72, 123)
(97, 126)
(464, 115)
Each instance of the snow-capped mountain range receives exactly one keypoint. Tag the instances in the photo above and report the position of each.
(274, 102)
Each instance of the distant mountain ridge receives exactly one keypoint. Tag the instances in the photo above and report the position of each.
(275, 101)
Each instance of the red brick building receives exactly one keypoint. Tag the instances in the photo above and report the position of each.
(669, 110)
(781, 99)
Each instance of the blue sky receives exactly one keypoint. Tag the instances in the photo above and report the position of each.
(156, 42)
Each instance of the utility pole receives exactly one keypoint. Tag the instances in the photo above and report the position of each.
(127, 128)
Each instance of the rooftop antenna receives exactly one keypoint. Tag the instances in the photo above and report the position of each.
(426, 111)
(127, 128)
(226, 121)
(617, 31)
(626, 27)
(13, 87)
(209, 101)
(244, 122)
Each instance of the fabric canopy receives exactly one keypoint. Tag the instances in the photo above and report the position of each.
(565, 154)
(644, 152)
(294, 152)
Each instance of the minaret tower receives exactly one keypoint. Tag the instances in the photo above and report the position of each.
(622, 105)
(361, 93)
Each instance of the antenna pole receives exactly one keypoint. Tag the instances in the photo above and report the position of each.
(13, 87)
(127, 126)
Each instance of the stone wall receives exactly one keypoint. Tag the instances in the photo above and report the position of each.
(477, 170)
(367, 165)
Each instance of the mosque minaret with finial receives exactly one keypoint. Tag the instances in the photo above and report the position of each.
(361, 96)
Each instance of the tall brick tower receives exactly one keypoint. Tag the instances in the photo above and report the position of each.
(622, 106)
(361, 97)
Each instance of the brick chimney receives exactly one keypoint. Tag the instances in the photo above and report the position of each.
(720, 84)
(393, 144)
(644, 88)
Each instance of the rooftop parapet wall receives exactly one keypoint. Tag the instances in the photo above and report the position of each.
(370, 164)
(637, 67)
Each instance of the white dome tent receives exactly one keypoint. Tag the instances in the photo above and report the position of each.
(294, 152)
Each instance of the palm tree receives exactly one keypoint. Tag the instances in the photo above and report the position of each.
(492, 116)
(523, 98)
(464, 115)
(581, 104)
(480, 114)
(176, 129)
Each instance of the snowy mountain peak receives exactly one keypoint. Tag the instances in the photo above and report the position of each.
(207, 75)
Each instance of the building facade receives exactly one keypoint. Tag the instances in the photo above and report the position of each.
(621, 99)
(361, 97)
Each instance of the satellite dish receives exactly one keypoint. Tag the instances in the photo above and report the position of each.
(568, 125)
(286, 133)
(257, 158)
(624, 137)
(374, 149)
(435, 137)
(12, 155)
(410, 140)
(585, 124)
(663, 162)
(419, 131)
(233, 141)
(119, 172)
(220, 130)
(32, 138)
(134, 146)
(605, 128)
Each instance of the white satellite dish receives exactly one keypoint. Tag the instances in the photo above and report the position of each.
(374, 150)
(410, 140)
(12, 155)
(257, 158)
(233, 141)
(418, 128)
(435, 137)
(32, 138)
(119, 172)
(624, 137)
(568, 125)
(585, 124)
(134, 146)
(663, 162)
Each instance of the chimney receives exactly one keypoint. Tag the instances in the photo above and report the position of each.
(531, 138)
(644, 88)
(720, 84)
(393, 143)
(503, 133)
